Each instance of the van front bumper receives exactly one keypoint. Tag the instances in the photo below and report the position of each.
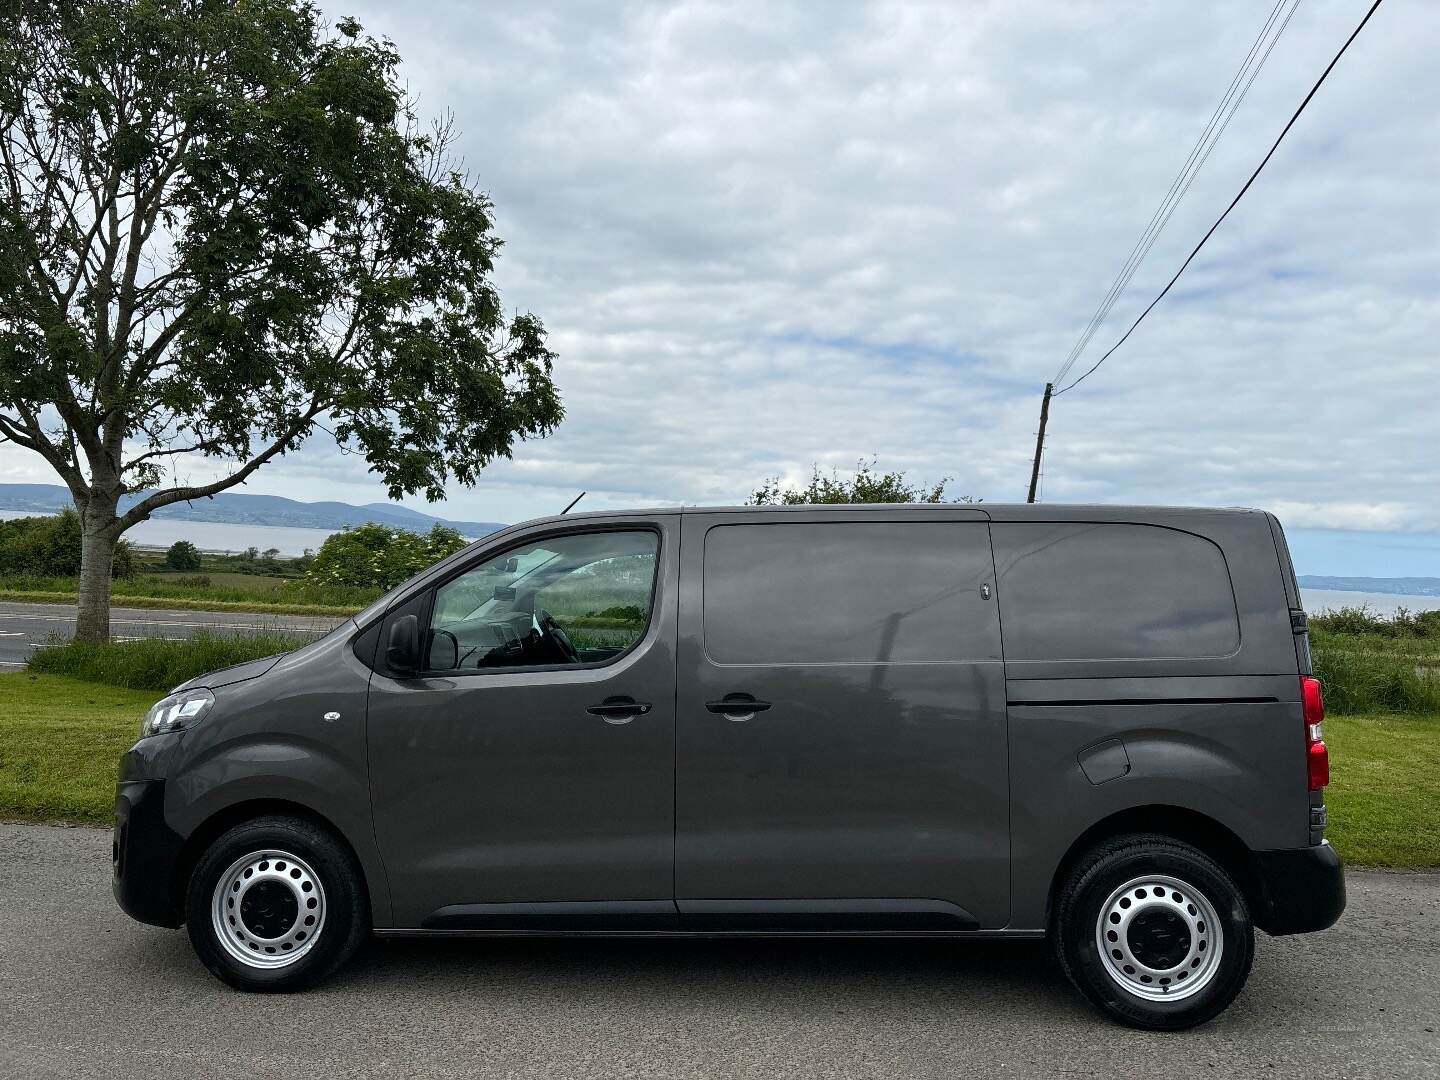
(144, 854)
(1301, 890)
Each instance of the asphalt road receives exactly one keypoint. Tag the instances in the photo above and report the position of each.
(85, 992)
(24, 626)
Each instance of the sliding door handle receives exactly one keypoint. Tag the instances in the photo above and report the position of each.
(737, 706)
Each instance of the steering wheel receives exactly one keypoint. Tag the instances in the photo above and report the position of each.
(551, 629)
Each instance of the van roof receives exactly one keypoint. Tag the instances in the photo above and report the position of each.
(992, 511)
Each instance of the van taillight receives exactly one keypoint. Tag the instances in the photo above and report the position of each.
(1317, 758)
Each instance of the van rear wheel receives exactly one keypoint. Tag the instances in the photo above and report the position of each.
(275, 904)
(1154, 932)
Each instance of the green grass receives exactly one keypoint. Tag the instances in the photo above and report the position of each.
(60, 743)
(60, 740)
(157, 664)
(1384, 794)
(1369, 673)
(220, 591)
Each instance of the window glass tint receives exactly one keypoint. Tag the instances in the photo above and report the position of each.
(851, 592)
(1112, 592)
(566, 600)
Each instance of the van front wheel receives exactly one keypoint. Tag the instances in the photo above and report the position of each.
(275, 904)
(1154, 932)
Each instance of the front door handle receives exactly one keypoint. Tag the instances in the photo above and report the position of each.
(619, 710)
(737, 706)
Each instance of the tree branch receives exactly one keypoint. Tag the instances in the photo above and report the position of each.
(29, 434)
(147, 506)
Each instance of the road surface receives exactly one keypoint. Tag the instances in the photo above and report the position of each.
(85, 992)
(24, 626)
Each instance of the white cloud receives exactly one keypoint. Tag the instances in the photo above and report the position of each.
(769, 235)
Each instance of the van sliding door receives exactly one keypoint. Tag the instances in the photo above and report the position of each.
(840, 728)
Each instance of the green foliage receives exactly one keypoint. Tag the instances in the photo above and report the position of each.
(1370, 673)
(1361, 620)
(50, 546)
(183, 555)
(157, 663)
(378, 556)
(866, 485)
(622, 613)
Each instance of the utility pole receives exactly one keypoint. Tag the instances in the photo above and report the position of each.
(1040, 440)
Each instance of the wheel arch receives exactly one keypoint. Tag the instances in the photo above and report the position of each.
(1179, 823)
(227, 817)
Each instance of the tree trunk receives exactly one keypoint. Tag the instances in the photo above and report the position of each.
(97, 556)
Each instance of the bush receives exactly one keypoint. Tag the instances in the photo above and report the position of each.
(378, 557)
(866, 485)
(183, 555)
(158, 663)
(50, 547)
(1361, 620)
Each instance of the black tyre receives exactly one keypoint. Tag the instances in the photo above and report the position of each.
(1153, 932)
(276, 903)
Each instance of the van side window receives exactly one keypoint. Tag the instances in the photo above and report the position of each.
(577, 599)
(1078, 591)
(852, 592)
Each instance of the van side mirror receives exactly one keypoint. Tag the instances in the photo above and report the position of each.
(402, 647)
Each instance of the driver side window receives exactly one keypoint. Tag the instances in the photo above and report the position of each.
(578, 599)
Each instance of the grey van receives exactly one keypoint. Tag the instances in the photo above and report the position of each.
(1092, 724)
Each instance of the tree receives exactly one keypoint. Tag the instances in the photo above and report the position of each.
(865, 486)
(183, 555)
(378, 556)
(223, 226)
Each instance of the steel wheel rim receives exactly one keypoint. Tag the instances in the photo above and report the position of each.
(1159, 938)
(268, 909)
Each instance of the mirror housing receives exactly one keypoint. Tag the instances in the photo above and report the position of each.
(402, 646)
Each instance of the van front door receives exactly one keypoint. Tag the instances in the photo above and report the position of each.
(841, 734)
(523, 779)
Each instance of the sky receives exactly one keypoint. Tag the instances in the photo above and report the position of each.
(770, 236)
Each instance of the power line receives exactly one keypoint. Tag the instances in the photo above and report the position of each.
(1196, 172)
(1265, 161)
(1199, 154)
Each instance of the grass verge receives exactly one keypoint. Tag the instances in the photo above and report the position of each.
(256, 607)
(60, 743)
(1384, 795)
(217, 591)
(61, 738)
(157, 664)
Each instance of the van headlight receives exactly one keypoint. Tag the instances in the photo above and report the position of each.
(177, 711)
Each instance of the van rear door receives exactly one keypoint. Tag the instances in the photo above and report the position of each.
(840, 727)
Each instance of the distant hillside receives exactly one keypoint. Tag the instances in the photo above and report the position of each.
(1402, 586)
(239, 509)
